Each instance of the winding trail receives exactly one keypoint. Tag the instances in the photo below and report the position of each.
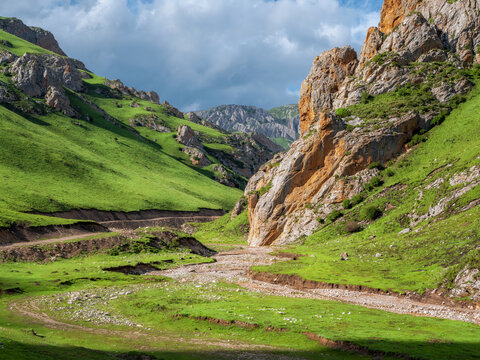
(233, 266)
(48, 241)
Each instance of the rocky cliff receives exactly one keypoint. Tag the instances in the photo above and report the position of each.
(357, 110)
(35, 35)
(282, 123)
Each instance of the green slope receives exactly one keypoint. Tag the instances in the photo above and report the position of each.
(52, 162)
(435, 249)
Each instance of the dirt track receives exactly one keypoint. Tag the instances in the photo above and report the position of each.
(233, 266)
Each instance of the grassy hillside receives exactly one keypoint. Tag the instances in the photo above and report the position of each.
(52, 162)
(431, 248)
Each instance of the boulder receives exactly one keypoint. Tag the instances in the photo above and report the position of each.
(57, 99)
(197, 157)
(187, 137)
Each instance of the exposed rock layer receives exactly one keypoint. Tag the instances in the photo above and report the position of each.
(319, 169)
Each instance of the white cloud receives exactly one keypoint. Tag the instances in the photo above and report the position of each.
(200, 53)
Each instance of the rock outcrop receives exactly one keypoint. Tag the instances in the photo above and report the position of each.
(193, 147)
(252, 120)
(131, 91)
(46, 75)
(329, 163)
(35, 35)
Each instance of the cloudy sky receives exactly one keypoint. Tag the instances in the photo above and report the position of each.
(201, 53)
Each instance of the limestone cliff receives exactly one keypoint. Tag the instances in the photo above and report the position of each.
(408, 54)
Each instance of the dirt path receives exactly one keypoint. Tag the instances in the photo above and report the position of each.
(233, 266)
(170, 221)
(48, 241)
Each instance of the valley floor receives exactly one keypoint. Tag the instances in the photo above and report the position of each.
(234, 266)
(199, 308)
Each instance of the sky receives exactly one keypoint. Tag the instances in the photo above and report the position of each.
(197, 54)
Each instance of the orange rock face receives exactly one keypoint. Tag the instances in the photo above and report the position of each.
(394, 11)
(329, 71)
(372, 44)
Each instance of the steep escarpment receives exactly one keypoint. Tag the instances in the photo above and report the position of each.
(356, 111)
(34, 35)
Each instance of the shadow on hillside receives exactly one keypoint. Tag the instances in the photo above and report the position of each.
(12, 350)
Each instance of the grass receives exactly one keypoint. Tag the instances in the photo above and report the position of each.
(20, 46)
(170, 314)
(170, 311)
(224, 230)
(54, 163)
(48, 163)
(283, 142)
(435, 248)
(411, 97)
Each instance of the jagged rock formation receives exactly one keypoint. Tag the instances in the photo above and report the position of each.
(329, 162)
(151, 121)
(249, 152)
(131, 91)
(251, 119)
(46, 75)
(35, 35)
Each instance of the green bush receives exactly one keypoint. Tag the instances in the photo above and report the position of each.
(350, 128)
(371, 213)
(416, 139)
(357, 199)
(375, 182)
(376, 165)
(343, 112)
(438, 119)
(334, 215)
(347, 204)
(389, 172)
(365, 98)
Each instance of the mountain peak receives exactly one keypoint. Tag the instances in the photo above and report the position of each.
(34, 35)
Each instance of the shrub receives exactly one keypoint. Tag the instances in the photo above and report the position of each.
(352, 226)
(343, 112)
(371, 213)
(456, 100)
(365, 98)
(334, 215)
(321, 220)
(389, 172)
(350, 128)
(376, 165)
(438, 119)
(416, 139)
(357, 199)
(347, 204)
(376, 181)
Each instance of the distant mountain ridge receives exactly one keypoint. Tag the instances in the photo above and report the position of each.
(279, 122)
